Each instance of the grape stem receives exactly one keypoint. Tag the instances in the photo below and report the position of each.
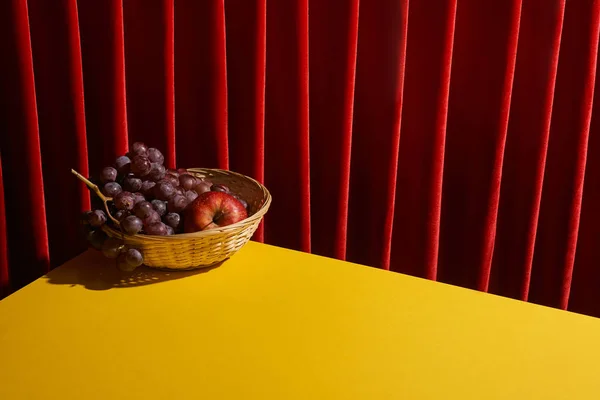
(96, 190)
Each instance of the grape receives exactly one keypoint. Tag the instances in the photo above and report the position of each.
(142, 209)
(85, 218)
(132, 184)
(123, 265)
(177, 203)
(108, 174)
(111, 189)
(139, 197)
(139, 148)
(132, 225)
(121, 215)
(111, 248)
(181, 171)
(96, 239)
(97, 218)
(164, 190)
(151, 218)
(170, 231)
(191, 195)
(202, 187)
(173, 220)
(159, 206)
(122, 164)
(173, 172)
(155, 156)
(124, 201)
(156, 228)
(217, 187)
(171, 179)
(147, 188)
(157, 172)
(187, 181)
(140, 165)
(134, 257)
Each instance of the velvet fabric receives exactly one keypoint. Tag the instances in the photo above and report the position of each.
(454, 140)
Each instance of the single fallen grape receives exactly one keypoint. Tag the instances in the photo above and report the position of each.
(157, 172)
(139, 148)
(123, 265)
(155, 156)
(177, 203)
(134, 257)
(159, 206)
(147, 188)
(96, 239)
(122, 164)
(191, 195)
(151, 218)
(187, 181)
(132, 184)
(124, 201)
(173, 220)
(170, 231)
(202, 187)
(140, 166)
(112, 248)
(121, 215)
(108, 174)
(97, 218)
(132, 225)
(217, 187)
(111, 189)
(139, 197)
(142, 209)
(156, 228)
(164, 190)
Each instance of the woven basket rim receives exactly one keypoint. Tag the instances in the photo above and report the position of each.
(209, 232)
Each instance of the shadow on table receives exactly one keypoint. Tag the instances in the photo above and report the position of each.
(94, 272)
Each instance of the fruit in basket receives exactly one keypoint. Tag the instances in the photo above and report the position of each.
(148, 188)
(157, 172)
(143, 209)
(164, 190)
(97, 218)
(217, 187)
(177, 203)
(122, 164)
(132, 225)
(132, 184)
(120, 215)
(108, 174)
(191, 195)
(155, 156)
(159, 206)
(213, 210)
(111, 189)
(140, 166)
(151, 218)
(187, 181)
(124, 201)
(134, 257)
(173, 220)
(139, 197)
(111, 248)
(202, 187)
(156, 228)
(139, 148)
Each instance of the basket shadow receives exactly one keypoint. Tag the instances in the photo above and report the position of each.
(95, 272)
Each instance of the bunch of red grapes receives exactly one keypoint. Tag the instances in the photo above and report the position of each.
(146, 199)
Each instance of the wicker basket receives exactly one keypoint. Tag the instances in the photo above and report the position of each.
(205, 248)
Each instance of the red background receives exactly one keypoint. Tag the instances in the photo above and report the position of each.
(452, 140)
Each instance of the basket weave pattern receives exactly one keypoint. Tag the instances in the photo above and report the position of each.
(204, 248)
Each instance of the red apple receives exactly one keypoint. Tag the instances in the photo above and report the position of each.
(213, 210)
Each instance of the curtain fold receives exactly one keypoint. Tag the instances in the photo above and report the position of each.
(454, 140)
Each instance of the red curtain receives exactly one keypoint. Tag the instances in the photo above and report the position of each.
(448, 139)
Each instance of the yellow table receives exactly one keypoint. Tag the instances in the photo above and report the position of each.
(276, 324)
